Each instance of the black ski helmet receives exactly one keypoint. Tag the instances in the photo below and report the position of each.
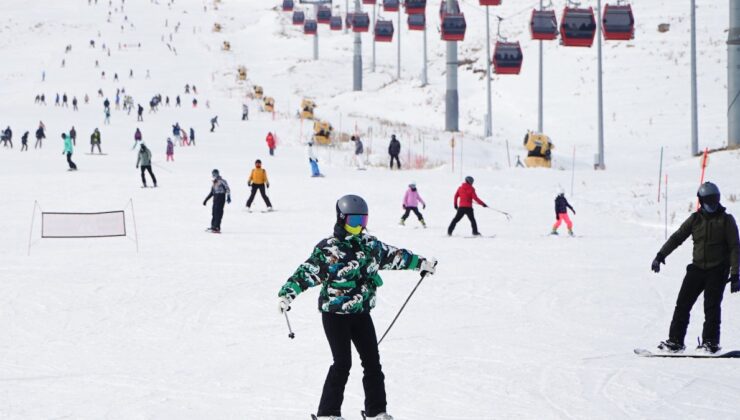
(215, 173)
(469, 180)
(709, 197)
(350, 204)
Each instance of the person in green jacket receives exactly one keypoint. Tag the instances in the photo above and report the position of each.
(95, 141)
(145, 161)
(68, 150)
(716, 253)
(346, 267)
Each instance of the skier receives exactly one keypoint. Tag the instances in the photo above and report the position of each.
(95, 141)
(137, 138)
(139, 113)
(74, 104)
(192, 136)
(73, 134)
(466, 195)
(8, 137)
(145, 160)
(176, 132)
(270, 143)
(170, 150)
(221, 194)
(68, 150)
(313, 160)
(214, 122)
(177, 101)
(245, 112)
(24, 142)
(258, 181)
(107, 116)
(64, 100)
(195, 103)
(411, 203)
(716, 252)
(394, 149)
(184, 138)
(346, 266)
(40, 135)
(561, 213)
(359, 150)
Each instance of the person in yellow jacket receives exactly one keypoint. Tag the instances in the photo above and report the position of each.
(258, 181)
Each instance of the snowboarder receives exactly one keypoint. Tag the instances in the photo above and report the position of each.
(221, 194)
(40, 135)
(359, 151)
(466, 195)
(245, 112)
(411, 203)
(192, 136)
(313, 161)
(137, 138)
(346, 266)
(715, 256)
(73, 134)
(145, 161)
(258, 181)
(68, 150)
(270, 139)
(561, 213)
(95, 141)
(170, 150)
(394, 149)
(214, 122)
(24, 142)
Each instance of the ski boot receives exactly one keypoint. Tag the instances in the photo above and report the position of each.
(554, 232)
(269, 209)
(708, 347)
(570, 232)
(402, 222)
(671, 347)
(423, 223)
(381, 416)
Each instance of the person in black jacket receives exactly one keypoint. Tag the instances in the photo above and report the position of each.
(561, 213)
(40, 136)
(24, 142)
(394, 149)
(8, 137)
(221, 194)
(715, 257)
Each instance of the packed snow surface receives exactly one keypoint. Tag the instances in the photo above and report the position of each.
(520, 325)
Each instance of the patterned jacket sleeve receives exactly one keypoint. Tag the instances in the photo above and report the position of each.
(392, 258)
(312, 272)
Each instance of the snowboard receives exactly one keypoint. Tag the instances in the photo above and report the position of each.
(722, 354)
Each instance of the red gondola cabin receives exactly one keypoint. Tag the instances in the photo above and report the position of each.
(383, 31)
(360, 22)
(507, 58)
(391, 5)
(298, 17)
(453, 27)
(618, 23)
(417, 22)
(578, 27)
(490, 2)
(287, 5)
(310, 26)
(335, 23)
(324, 15)
(369, 1)
(415, 7)
(544, 25)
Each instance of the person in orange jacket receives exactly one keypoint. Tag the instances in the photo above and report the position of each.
(466, 195)
(258, 181)
(271, 143)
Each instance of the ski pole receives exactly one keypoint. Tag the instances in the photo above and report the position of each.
(402, 307)
(290, 330)
(508, 216)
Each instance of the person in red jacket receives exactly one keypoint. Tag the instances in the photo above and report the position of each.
(271, 143)
(466, 195)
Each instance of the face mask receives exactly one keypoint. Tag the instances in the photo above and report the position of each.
(710, 203)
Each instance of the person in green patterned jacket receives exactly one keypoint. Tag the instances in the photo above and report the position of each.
(346, 267)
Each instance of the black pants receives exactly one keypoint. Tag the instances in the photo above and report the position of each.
(24, 146)
(151, 174)
(217, 212)
(398, 162)
(712, 283)
(463, 211)
(261, 189)
(69, 161)
(39, 143)
(416, 212)
(341, 331)
(94, 145)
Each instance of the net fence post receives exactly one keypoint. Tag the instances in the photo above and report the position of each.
(33, 219)
(133, 217)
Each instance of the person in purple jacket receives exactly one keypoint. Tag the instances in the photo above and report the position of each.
(411, 203)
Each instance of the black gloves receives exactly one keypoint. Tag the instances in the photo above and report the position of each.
(734, 283)
(228, 199)
(659, 259)
(455, 206)
(424, 206)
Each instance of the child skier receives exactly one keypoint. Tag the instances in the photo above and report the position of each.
(561, 213)
(313, 161)
(170, 150)
(411, 203)
(221, 194)
(270, 139)
(716, 252)
(466, 194)
(346, 266)
(258, 181)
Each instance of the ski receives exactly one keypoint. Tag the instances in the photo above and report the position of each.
(730, 354)
(210, 230)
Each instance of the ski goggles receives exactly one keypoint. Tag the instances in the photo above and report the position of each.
(356, 220)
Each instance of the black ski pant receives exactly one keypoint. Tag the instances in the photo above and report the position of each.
(398, 162)
(69, 161)
(341, 332)
(39, 143)
(712, 282)
(261, 189)
(24, 146)
(217, 212)
(93, 146)
(463, 211)
(416, 212)
(151, 174)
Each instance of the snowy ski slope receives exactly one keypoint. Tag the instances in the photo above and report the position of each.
(519, 326)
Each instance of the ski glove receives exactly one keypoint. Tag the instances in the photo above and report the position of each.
(456, 206)
(428, 266)
(424, 206)
(659, 259)
(283, 304)
(228, 199)
(734, 283)
(249, 184)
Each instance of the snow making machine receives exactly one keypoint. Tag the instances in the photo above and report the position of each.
(539, 149)
(242, 72)
(307, 107)
(258, 91)
(269, 104)
(226, 46)
(322, 132)
(217, 27)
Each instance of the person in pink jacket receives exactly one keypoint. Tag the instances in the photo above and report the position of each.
(411, 203)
